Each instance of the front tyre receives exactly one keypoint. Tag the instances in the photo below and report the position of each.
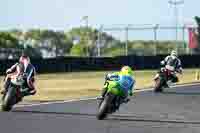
(104, 107)
(8, 99)
(158, 86)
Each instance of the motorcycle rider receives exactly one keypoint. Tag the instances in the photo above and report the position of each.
(125, 71)
(25, 68)
(172, 63)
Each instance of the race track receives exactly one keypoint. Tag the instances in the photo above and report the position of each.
(177, 110)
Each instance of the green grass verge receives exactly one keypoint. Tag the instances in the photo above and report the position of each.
(74, 85)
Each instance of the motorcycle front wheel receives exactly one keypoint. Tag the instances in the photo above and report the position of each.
(104, 107)
(8, 99)
(158, 85)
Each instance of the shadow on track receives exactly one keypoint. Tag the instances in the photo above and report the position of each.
(56, 113)
(181, 93)
(154, 121)
(128, 118)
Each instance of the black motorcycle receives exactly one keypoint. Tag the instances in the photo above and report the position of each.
(14, 93)
(164, 76)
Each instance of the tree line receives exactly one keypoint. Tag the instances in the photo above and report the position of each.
(81, 41)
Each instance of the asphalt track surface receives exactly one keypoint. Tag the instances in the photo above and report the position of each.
(177, 110)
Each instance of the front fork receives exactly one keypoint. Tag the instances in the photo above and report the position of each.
(105, 88)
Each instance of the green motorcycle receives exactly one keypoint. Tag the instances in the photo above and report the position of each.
(114, 97)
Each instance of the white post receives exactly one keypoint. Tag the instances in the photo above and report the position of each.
(126, 45)
(155, 37)
(176, 3)
(99, 41)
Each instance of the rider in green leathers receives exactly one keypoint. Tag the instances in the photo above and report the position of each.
(123, 80)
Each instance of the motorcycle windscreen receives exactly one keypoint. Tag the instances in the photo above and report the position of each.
(17, 80)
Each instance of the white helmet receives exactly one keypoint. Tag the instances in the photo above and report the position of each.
(174, 53)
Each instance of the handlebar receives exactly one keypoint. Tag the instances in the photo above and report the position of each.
(176, 71)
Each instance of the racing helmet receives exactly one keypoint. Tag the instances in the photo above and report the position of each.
(24, 59)
(126, 70)
(174, 53)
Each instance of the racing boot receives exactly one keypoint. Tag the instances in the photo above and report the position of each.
(25, 92)
(28, 92)
(126, 100)
(166, 85)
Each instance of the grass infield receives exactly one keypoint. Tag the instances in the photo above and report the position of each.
(63, 86)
